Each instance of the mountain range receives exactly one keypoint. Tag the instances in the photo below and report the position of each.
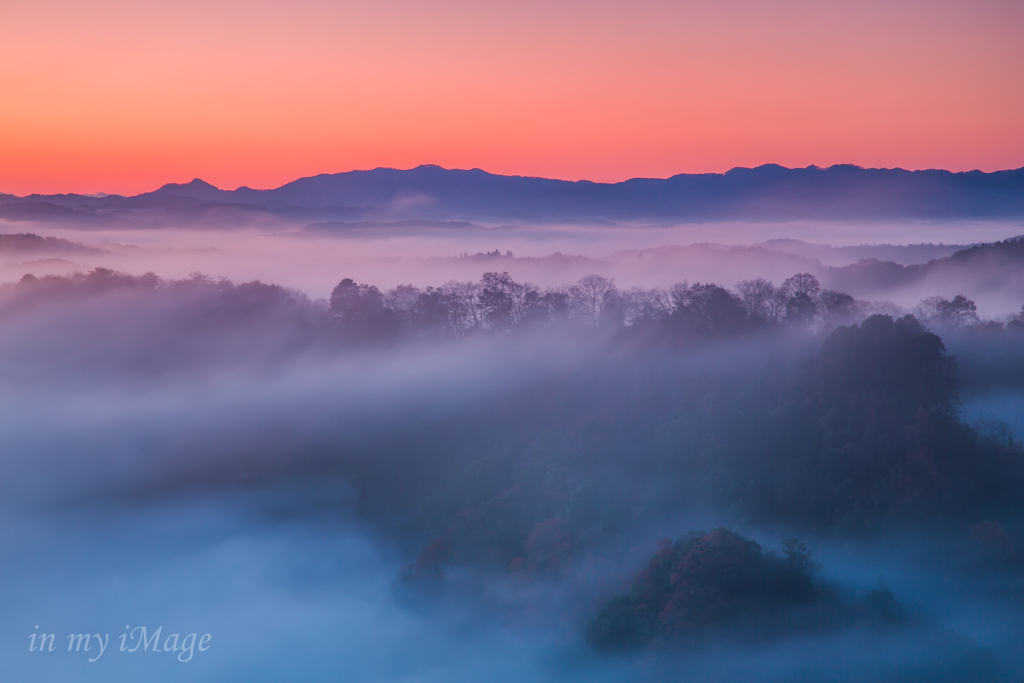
(383, 195)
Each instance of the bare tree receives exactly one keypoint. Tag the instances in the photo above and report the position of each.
(402, 300)
(775, 305)
(646, 305)
(802, 283)
(495, 299)
(503, 301)
(588, 296)
(679, 296)
(755, 295)
(556, 303)
(524, 296)
(463, 307)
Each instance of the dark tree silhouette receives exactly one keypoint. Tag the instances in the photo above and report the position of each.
(361, 310)
(705, 583)
(497, 292)
(888, 369)
(802, 283)
(706, 309)
(800, 310)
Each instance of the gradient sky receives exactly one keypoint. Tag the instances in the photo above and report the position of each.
(120, 96)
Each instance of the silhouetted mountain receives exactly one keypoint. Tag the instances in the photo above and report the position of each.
(45, 212)
(769, 192)
(197, 189)
(766, 192)
(27, 243)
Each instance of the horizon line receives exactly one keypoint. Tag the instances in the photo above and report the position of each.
(100, 195)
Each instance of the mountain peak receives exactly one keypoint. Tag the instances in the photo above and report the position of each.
(196, 188)
(194, 184)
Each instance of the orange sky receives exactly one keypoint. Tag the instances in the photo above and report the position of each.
(120, 96)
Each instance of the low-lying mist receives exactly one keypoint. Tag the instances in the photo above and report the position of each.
(748, 475)
(884, 261)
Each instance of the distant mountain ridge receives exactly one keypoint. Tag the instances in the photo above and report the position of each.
(769, 192)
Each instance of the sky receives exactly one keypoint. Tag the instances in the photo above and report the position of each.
(122, 97)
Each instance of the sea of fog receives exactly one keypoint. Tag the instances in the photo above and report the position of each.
(312, 260)
(150, 495)
(104, 531)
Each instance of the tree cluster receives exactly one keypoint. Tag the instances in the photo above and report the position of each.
(862, 434)
(705, 583)
(497, 303)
